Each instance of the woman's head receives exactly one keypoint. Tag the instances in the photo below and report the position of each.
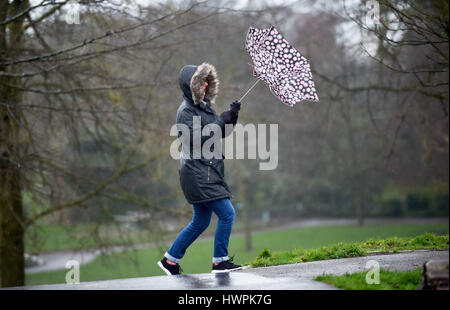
(199, 82)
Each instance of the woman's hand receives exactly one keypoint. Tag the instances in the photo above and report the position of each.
(235, 106)
(231, 116)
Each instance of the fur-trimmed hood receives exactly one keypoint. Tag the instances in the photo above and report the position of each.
(191, 79)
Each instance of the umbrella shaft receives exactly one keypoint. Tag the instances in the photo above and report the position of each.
(249, 90)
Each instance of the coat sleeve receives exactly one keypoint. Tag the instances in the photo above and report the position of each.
(227, 130)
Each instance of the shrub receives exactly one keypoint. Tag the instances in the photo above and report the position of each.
(429, 200)
(390, 203)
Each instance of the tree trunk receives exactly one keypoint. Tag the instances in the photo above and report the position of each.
(357, 181)
(12, 263)
(242, 194)
(247, 227)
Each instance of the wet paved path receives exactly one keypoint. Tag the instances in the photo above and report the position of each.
(285, 277)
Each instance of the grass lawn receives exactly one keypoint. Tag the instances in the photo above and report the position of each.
(389, 280)
(41, 238)
(59, 238)
(142, 263)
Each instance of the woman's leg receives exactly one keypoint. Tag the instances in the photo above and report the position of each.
(225, 212)
(200, 221)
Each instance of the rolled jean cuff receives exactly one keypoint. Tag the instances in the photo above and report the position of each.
(220, 259)
(171, 258)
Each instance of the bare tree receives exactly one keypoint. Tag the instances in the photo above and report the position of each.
(78, 111)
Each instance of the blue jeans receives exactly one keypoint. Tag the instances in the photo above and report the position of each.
(200, 221)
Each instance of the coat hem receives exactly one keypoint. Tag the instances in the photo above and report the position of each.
(210, 199)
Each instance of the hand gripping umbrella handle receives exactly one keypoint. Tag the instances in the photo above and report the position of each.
(240, 100)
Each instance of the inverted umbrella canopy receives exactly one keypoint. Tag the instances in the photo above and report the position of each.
(281, 66)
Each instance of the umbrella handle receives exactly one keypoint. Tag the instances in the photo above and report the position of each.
(240, 100)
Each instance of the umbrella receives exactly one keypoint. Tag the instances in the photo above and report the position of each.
(280, 65)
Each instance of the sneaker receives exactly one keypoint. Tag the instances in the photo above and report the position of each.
(168, 268)
(226, 266)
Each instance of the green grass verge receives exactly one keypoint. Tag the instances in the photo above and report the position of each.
(389, 280)
(142, 263)
(343, 250)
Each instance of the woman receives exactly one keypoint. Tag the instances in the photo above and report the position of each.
(201, 179)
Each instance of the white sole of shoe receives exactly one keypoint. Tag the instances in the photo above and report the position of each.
(164, 269)
(230, 270)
